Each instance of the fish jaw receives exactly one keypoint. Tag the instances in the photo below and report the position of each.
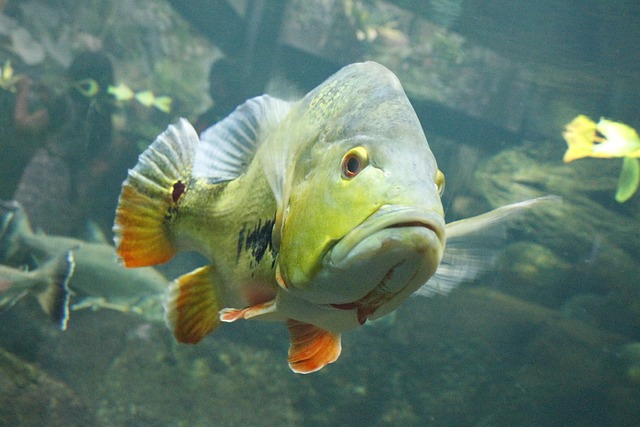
(375, 267)
(387, 218)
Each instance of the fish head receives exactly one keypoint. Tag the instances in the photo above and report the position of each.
(364, 223)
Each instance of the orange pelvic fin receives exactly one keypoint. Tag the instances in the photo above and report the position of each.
(151, 192)
(233, 314)
(192, 305)
(311, 347)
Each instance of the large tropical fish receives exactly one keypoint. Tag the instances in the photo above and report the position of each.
(323, 213)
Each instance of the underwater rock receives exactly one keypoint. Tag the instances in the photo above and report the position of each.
(589, 230)
(433, 63)
(480, 357)
(534, 273)
(218, 382)
(321, 29)
(630, 355)
(29, 397)
(151, 46)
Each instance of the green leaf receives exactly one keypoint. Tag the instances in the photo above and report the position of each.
(629, 179)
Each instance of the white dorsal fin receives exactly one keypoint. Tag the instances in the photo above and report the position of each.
(228, 147)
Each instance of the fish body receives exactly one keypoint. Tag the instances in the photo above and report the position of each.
(322, 213)
(8, 78)
(606, 139)
(615, 139)
(120, 92)
(98, 280)
(147, 98)
(49, 283)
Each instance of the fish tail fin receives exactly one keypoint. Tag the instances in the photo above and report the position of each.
(580, 135)
(192, 305)
(54, 297)
(153, 187)
(14, 226)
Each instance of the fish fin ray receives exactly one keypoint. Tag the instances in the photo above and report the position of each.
(460, 263)
(191, 305)
(473, 246)
(141, 236)
(311, 347)
(233, 314)
(54, 298)
(229, 146)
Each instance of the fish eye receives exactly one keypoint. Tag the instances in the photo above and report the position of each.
(354, 161)
(440, 182)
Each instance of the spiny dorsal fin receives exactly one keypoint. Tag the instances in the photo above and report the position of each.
(229, 146)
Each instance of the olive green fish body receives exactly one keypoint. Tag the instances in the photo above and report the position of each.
(231, 224)
(323, 213)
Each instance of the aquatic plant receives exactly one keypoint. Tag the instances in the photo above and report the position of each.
(606, 139)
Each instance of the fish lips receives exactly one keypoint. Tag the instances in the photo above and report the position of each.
(387, 257)
(384, 225)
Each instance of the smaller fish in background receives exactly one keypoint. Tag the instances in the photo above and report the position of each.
(606, 139)
(98, 281)
(147, 98)
(123, 93)
(8, 78)
(49, 283)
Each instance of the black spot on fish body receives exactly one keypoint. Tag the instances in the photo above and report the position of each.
(257, 241)
(240, 241)
(178, 189)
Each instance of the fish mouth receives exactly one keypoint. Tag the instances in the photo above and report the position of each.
(376, 266)
(388, 217)
(381, 262)
(392, 254)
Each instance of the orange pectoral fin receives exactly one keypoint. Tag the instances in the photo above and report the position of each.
(141, 239)
(192, 305)
(151, 195)
(311, 347)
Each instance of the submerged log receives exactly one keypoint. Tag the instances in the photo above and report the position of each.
(589, 228)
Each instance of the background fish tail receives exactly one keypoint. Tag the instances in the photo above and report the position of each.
(54, 297)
